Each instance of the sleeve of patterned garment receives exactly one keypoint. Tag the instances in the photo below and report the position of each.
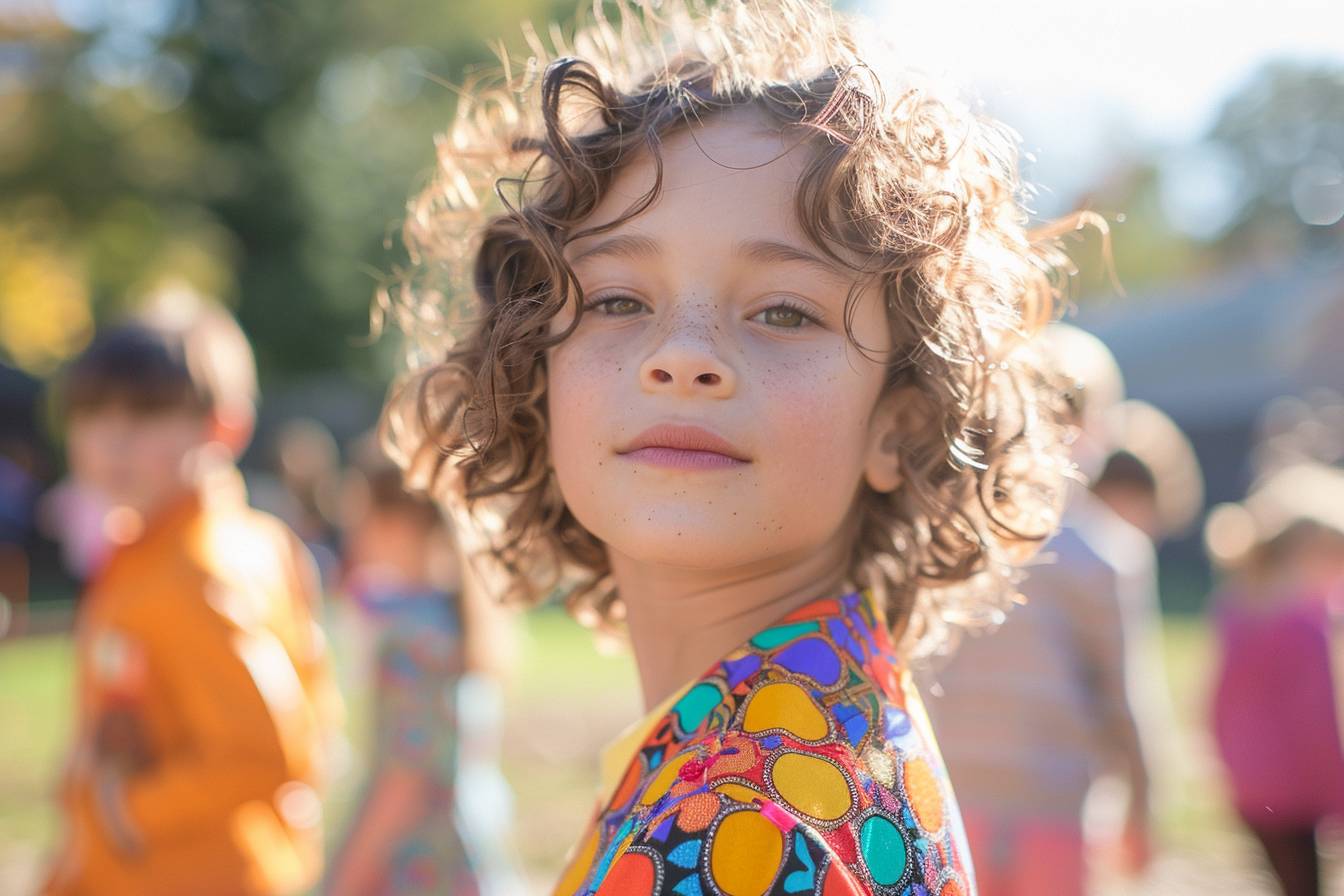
(241, 707)
(719, 829)
(757, 847)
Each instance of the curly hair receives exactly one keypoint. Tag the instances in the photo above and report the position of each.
(901, 175)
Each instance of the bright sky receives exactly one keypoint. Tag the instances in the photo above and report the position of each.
(1082, 80)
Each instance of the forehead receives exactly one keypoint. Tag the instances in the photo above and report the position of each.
(136, 410)
(736, 170)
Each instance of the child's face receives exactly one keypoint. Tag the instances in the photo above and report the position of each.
(132, 458)
(713, 312)
(1134, 505)
(1319, 560)
(390, 549)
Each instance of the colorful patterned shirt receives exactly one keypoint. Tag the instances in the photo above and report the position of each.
(802, 763)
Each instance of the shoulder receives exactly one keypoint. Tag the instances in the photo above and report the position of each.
(768, 812)
(801, 764)
(152, 593)
(220, 574)
(276, 533)
(1072, 566)
(238, 539)
(746, 848)
(1071, 551)
(1307, 625)
(254, 566)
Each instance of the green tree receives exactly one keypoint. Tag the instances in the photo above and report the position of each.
(1265, 182)
(262, 151)
(1285, 131)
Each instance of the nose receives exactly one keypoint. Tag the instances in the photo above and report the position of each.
(687, 363)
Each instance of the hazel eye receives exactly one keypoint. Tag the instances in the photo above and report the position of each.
(783, 316)
(619, 306)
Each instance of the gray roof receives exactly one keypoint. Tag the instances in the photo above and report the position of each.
(1218, 349)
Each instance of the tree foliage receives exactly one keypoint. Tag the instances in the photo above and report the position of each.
(260, 151)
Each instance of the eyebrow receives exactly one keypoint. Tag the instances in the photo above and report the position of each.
(629, 246)
(635, 246)
(775, 252)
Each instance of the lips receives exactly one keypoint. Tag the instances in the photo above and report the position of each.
(683, 447)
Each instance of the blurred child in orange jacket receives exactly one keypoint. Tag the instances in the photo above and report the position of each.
(204, 693)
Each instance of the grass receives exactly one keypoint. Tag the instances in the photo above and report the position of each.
(35, 698)
(565, 701)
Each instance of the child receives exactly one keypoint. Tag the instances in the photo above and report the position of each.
(1031, 714)
(203, 688)
(1152, 478)
(1276, 705)
(745, 371)
(425, 824)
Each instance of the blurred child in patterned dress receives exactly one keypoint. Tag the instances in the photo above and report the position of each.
(436, 811)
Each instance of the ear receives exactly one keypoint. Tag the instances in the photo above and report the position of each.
(899, 413)
(231, 426)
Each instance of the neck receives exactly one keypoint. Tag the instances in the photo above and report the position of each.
(681, 620)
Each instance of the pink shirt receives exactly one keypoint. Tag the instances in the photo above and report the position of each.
(1275, 716)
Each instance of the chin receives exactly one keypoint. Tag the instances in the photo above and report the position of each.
(695, 542)
(695, 552)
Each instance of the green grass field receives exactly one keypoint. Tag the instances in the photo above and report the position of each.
(566, 700)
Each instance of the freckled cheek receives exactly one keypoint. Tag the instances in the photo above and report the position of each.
(825, 399)
(583, 392)
(815, 413)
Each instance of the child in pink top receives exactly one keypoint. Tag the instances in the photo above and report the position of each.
(1276, 704)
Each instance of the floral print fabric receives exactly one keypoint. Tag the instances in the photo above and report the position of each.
(440, 721)
(799, 764)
